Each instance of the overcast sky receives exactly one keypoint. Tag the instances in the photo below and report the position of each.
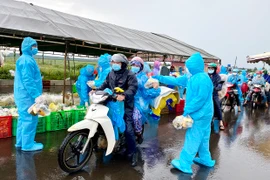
(224, 28)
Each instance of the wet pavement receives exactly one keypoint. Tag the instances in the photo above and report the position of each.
(242, 151)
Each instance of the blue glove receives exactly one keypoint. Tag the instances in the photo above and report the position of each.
(107, 90)
(156, 77)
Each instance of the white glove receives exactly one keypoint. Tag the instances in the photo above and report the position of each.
(86, 104)
(40, 100)
(91, 84)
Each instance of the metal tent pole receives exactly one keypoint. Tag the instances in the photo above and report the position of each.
(65, 65)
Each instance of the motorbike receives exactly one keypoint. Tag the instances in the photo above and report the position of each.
(256, 96)
(230, 97)
(95, 131)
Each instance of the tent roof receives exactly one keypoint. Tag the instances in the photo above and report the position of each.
(86, 36)
(265, 57)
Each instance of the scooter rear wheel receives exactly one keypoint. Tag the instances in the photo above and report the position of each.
(70, 158)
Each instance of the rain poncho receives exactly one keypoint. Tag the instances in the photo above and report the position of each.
(146, 68)
(244, 78)
(258, 80)
(116, 114)
(27, 87)
(103, 69)
(236, 80)
(199, 106)
(142, 100)
(223, 70)
(156, 69)
(86, 74)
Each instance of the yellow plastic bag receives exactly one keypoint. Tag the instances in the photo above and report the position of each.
(163, 104)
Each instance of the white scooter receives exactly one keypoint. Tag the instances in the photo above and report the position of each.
(95, 130)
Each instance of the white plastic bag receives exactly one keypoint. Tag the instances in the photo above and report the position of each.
(39, 109)
(149, 83)
(181, 122)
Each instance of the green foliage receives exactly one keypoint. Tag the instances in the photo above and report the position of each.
(50, 69)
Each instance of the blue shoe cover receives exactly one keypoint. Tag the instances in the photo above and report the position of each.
(176, 164)
(216, 126)
(35, 147)
(210, 163)
(20, 146)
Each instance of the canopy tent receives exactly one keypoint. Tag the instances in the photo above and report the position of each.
(85, 36)
(265, 57)
(61, 32)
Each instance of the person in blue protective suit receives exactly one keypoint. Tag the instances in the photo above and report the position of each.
(142, 97)
(199, 106)
(104, 69)
(223, 70)
(257, 80)
(235, 79)
(27, 91)
(121, 77)
(86, 74)
(243, 77)
(216, 79)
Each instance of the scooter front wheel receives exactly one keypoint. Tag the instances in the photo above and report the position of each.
(70, 158)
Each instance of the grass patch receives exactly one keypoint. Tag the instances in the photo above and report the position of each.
(50, 69)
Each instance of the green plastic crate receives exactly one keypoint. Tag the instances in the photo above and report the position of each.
(79, 114)
(60, 120)
(41, 127)
(68, 117)
(14, 125)
(55, 122)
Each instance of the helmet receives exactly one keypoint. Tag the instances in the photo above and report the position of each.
(235, 70)
(136, 59)
(119, 58)
(213, 65)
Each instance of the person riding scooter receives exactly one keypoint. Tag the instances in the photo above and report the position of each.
(121, 77)
(235, 80)
(142, 97)
(258, 79)
(216, 79)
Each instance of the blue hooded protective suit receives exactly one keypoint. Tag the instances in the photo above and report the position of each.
(104, 69)
(86, 74)
(27, 87)
(199, 106)
(223, 70)
(244, 78)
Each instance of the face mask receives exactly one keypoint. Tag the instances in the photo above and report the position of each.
(135, 69)
(116, 67)
(210, 71)
(34, 51)
(234, 74)
(259, 76)
(188, 73)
